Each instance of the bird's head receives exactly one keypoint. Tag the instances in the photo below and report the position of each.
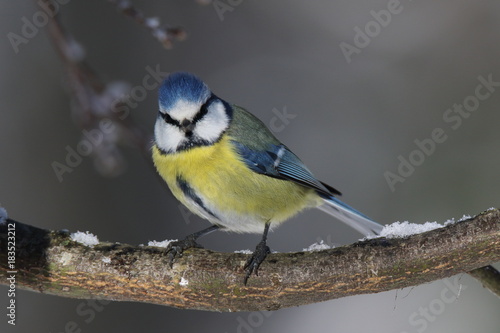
(190, 114)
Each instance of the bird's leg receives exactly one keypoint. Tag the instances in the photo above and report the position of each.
(258, 256)
(176, 248)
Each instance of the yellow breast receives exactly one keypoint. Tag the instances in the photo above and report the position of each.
(229, 188)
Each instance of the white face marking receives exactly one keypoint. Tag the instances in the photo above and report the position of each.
(213, 124)
(168, 137)
(208, 129)
(183, 110)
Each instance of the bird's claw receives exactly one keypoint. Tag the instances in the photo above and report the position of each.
(253, 263)
(175, 249)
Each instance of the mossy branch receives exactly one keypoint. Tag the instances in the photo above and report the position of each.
(50, 262)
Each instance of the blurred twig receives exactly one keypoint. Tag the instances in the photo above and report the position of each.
(165, 35)
(94, 102)
(50, 262)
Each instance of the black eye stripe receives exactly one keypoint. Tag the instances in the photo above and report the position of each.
(169, 120)
(204, 109)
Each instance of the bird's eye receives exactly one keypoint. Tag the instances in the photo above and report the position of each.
(169, 120)
(203, 111)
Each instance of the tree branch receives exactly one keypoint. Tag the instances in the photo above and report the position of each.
(50, 262)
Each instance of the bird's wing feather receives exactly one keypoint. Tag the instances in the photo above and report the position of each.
(279, 162)
(266, 155)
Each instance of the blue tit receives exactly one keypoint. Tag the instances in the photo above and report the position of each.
(226, 166)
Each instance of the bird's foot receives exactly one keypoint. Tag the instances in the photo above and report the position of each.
(258, 256)
(175, 249)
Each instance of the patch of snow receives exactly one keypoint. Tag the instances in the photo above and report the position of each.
(449, 221)
(86, 238)
(106, 260)
(163, 243)
(465, 217)
(183, 282)
(404, 229)
(244, 251)
(317, 247)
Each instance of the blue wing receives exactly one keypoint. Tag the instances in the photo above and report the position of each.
(279, 162)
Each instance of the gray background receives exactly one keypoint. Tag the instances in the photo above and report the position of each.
(352, 122)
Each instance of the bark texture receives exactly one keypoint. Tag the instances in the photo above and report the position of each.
(50, 262)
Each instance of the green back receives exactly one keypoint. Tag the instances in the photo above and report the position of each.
(250, 130)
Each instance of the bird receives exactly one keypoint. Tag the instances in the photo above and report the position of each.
(226, 166)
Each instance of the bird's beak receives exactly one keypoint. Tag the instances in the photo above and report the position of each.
(187, 126)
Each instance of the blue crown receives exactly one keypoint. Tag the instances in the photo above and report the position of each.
(183, 86)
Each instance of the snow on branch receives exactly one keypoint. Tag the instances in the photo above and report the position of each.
(56, 262)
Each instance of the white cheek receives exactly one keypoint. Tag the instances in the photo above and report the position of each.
(213, 124)
(168, 137)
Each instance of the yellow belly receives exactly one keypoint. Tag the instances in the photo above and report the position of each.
(230, 189)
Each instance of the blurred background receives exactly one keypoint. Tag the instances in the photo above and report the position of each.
(359, 102)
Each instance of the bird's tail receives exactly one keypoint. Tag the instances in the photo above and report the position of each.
(350, 216)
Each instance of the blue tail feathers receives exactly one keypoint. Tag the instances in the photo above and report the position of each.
(350, 216)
